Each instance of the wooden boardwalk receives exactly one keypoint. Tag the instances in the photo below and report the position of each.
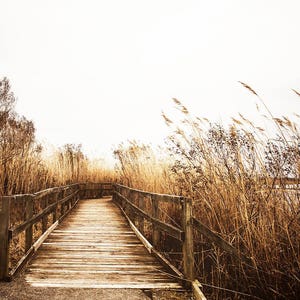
(94, 247)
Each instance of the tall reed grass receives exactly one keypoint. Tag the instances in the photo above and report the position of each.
(239, 179)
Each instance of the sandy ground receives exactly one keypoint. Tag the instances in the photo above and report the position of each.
(19, 289)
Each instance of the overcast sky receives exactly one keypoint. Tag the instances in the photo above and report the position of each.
(100, 72)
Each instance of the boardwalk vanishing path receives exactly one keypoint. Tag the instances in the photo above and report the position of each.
(94, 247)
(87, 241)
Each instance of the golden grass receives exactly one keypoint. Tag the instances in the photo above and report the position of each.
(237, 178)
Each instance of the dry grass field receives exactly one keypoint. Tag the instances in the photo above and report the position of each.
(242, 183)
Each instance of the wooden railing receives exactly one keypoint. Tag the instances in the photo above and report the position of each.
(140, 206)
(154, 217)
(26, 220)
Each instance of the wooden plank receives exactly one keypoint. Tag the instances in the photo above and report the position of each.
(95, 239)
(96, 258)
(188, 245)
(100, 277)
(97, 266)
(151, 274)
(75, 271)
(83, 284)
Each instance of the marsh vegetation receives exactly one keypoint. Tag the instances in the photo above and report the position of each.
(244, 185)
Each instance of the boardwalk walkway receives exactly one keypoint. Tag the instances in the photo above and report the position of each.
(94, 247)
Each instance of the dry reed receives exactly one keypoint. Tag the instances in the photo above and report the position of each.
(23, 166)
(238, 178)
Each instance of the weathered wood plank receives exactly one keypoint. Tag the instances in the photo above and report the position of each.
(85, 284)
(188, 246)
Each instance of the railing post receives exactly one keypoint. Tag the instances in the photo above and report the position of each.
(141, 205)
(62, 206)
(113, 188)
(45, 217)
(188, 245)
(55, 198)
(155, 231)
(4, 238)
(28, 214)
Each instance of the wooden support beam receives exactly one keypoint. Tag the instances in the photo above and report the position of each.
(155, 231)
(141, 205)
(188, 245)
(45, 217)
(4, 238)
(28, 214)
(54, 216)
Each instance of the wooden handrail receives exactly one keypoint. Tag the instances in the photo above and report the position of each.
(155, 196)
(21, 227)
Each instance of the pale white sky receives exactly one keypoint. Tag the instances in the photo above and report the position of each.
(100, 72)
